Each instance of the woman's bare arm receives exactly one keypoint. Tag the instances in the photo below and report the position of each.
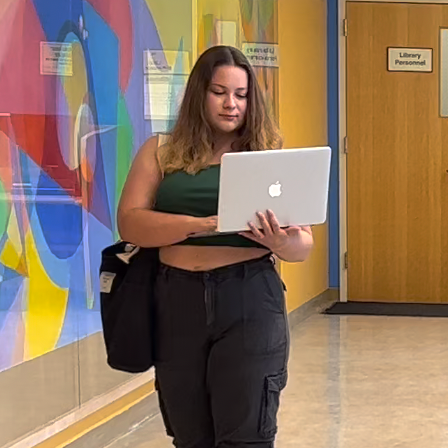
(137, 222)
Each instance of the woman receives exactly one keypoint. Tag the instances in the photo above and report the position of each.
(222, 336)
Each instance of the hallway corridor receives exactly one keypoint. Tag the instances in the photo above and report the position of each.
(355, 382)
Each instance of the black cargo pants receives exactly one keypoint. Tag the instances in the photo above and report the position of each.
(221, 353)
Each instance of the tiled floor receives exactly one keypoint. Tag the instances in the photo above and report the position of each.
(355, 382)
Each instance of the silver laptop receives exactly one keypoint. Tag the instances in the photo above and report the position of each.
(293, 183)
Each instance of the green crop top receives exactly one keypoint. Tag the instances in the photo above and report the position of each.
(197, 195)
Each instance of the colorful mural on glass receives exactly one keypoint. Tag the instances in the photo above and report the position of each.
(67, 140)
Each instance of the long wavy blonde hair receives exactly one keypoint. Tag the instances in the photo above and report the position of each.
(189, 146)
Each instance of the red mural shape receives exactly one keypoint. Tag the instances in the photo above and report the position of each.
(119, 17)
(29, 98)
(5, 159)
(22, 87)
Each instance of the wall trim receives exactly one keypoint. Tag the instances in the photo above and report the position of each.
(94, 413)
(342, 156)
(334, 260)
(313, 306)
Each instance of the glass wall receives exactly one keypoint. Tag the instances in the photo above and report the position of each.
(83, 83)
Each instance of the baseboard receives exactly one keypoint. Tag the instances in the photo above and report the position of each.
(101, 427)
(92, 414)
(44, 395)
(402, 309)
(314, 306)
(117, 428)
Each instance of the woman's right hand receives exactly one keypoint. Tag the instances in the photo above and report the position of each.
(203, 225)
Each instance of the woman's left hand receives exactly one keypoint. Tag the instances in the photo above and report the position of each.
(289, 244)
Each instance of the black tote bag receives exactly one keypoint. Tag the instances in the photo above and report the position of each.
(127, 278)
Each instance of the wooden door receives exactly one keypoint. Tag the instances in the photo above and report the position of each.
(397, 161)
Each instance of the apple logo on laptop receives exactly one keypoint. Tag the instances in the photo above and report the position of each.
(275, 190)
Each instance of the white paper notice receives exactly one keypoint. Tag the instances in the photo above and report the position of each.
(165, 77)
(159, 62)
(226, 33)
(56, 58)
(262, 55)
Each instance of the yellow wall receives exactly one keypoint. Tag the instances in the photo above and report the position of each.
(303, 120)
